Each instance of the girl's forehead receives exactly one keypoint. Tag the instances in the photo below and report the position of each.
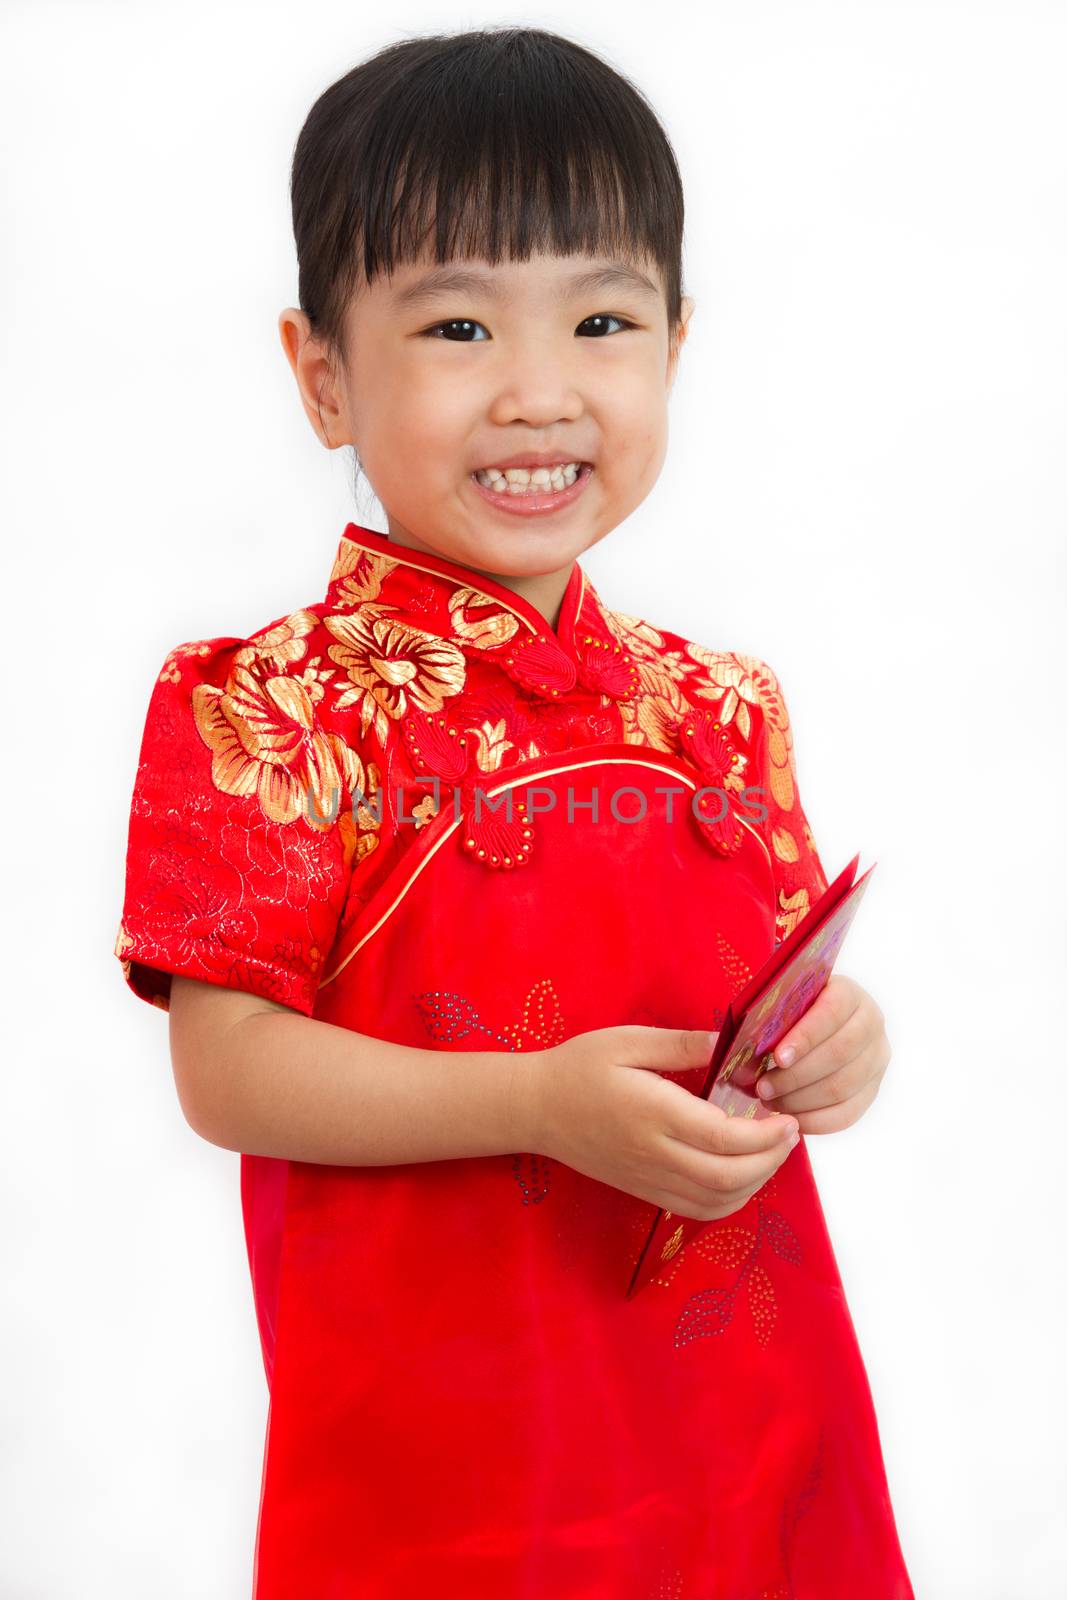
(416, 283)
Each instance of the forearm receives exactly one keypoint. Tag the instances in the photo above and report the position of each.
(286, 1085)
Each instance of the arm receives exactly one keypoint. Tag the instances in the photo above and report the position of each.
(259, 1077)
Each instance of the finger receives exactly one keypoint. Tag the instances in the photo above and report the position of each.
(843, 1089)
(680, 1205)
(831, 1119)
(707, 1127)
(832, 1007)
(829, 1055)
(713, 1180)
(695, 1201)
(830, 1075)
(832, 1090)
(702, 1207)
(662, 1049)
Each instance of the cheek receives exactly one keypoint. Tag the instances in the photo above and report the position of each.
(414, 431)
(638, 434)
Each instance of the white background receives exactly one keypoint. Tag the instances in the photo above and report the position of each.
(865, 486)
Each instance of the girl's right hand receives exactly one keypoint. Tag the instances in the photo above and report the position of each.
(596, 1106)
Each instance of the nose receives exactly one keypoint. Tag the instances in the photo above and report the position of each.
(536, 388)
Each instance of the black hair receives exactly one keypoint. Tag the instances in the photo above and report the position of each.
(497, 142)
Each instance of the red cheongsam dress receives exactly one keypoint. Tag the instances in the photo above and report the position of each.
(416, 811)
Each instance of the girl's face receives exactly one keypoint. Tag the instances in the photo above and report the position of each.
(456, 367)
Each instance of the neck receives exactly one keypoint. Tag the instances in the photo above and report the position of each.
(543, 590)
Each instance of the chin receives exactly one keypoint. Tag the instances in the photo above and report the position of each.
(527, 551)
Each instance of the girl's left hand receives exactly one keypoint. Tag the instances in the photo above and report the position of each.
(839, 1053)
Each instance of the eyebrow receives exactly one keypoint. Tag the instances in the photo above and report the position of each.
(461, 280)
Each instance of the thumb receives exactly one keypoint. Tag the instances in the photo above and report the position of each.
(667, 1049)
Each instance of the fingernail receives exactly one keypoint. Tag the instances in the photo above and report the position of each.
(794, 1140)
(786, 1056)
(767, 1089)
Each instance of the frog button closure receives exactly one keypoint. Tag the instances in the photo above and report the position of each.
(541, 667)
(708, 746)
(496, 832)
(606, 667)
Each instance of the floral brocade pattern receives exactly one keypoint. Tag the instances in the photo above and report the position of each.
(283, 776)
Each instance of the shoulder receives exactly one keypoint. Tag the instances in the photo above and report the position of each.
(261, 710)
(282, 648)
(742, 689)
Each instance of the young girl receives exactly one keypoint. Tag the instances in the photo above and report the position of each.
(444, 879)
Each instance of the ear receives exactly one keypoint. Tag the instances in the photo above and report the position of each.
(688, 307)
(315, 376)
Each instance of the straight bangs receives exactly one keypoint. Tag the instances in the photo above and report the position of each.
(495, 144)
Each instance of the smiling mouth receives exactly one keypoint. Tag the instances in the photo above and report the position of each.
(530, 480)
(533, 491)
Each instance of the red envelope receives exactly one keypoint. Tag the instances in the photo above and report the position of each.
(757, 1018)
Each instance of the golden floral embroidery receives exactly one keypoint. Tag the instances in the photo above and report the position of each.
(408, 650)
(360, 828)
(248, 900)
(486, 633)
(646, 643)
(792, 908)
(425, 811)
(491, 745)
(738, 682)
(782, 771)
(281, 645)
(359, 574)
(652, 715)
(784, 845)
(391, 674)
(171, 671)
(265, 741)
(392, 666)
(731, 681)
(123, 943)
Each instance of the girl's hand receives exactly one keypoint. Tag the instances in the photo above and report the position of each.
(831, 1062)
(598, 1103)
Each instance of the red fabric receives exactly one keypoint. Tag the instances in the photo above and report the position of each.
(463, 1401)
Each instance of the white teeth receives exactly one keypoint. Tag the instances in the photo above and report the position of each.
(524, 480)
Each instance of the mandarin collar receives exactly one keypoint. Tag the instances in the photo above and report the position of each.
(442, 577)
(422, 589)
(409, 594)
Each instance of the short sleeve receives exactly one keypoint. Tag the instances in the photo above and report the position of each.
(240, 845)
(799, 879)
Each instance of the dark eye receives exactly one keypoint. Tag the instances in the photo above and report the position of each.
(443, 330)
(458, 330)
(597, 323)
